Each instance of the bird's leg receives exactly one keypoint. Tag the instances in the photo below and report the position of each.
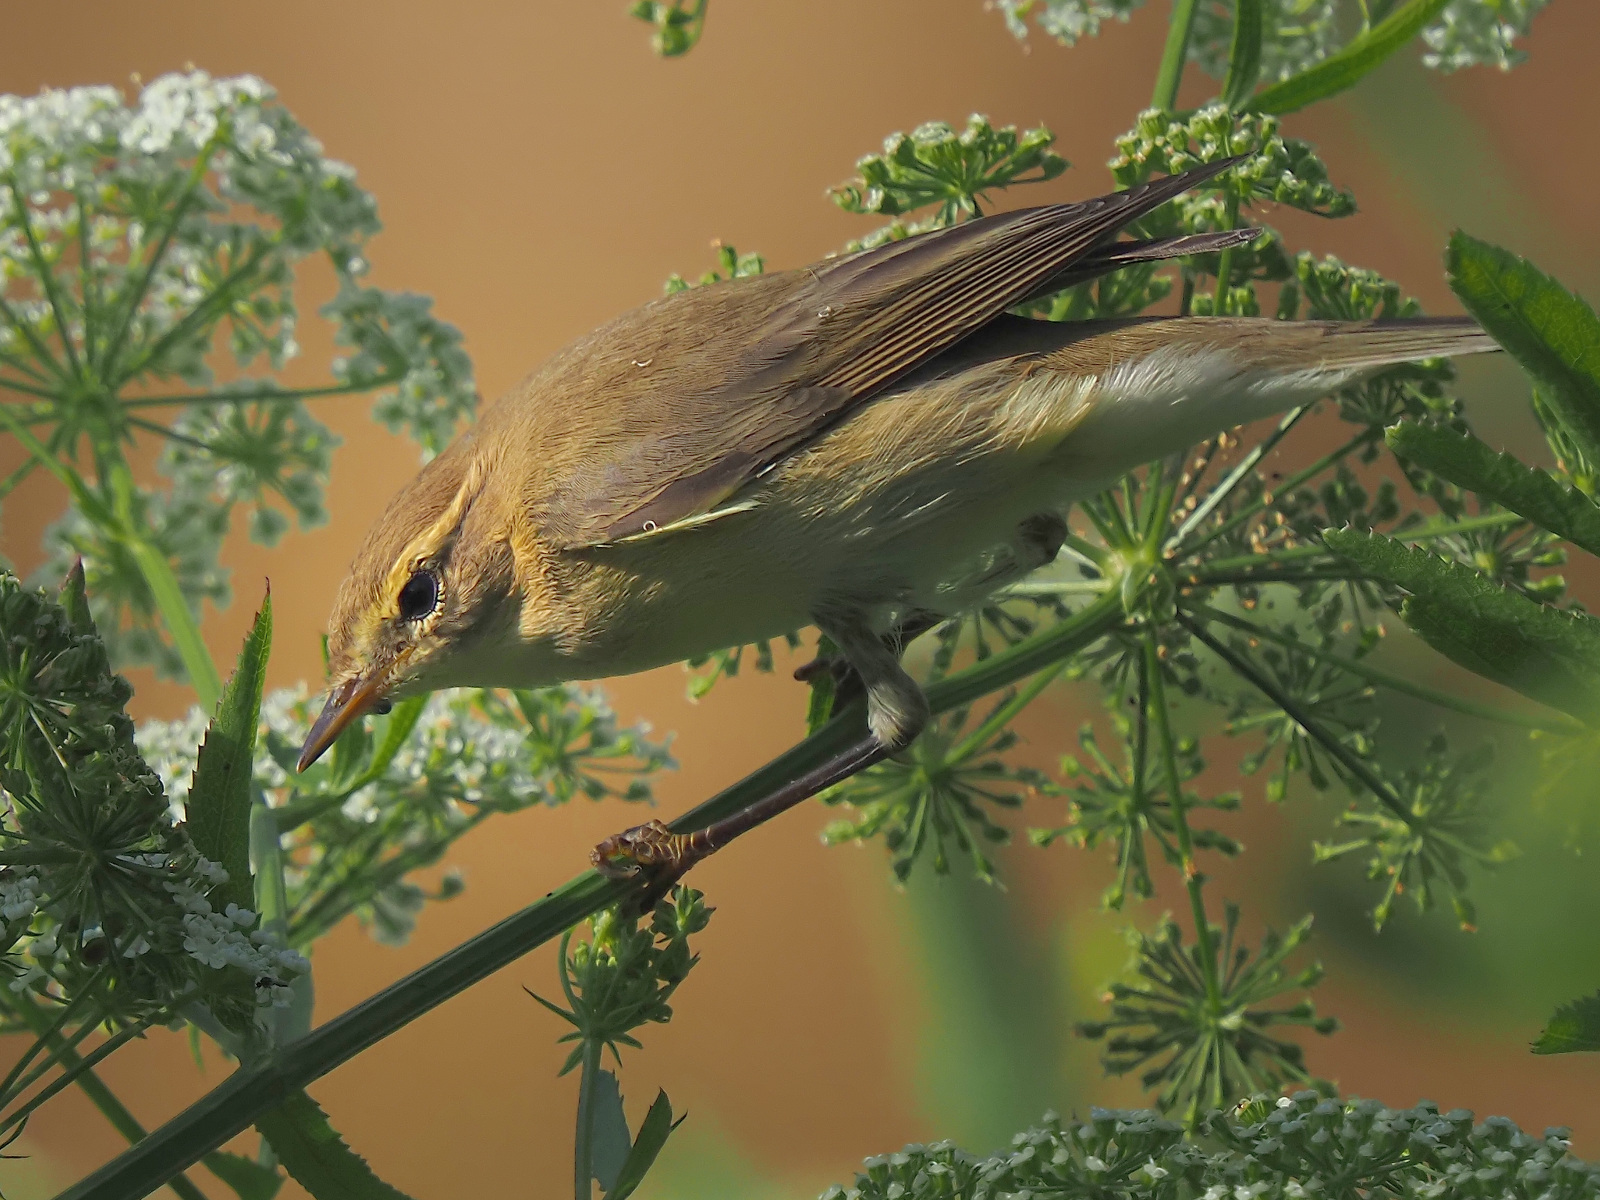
(847, 685)
(897, 711)
(1036, 543)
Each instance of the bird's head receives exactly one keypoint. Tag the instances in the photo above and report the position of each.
(431, 583)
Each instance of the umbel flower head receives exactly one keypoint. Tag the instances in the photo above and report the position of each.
(104, 899)
(143, 244)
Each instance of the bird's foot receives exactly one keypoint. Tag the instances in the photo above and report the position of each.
(651, 851)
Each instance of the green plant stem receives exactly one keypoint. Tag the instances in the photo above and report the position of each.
(130, 302)
(157, 572)
(1003, 716)
(69, 1074)
(1193, 880)
(263, 393)
(583, 1141)
(1234, 477)
(1262, 502)
(234, 1105)
(1362, 771)
(1170, 74)
(1225, 260)
(46, 277)
(100, 1095)
(1556, 723)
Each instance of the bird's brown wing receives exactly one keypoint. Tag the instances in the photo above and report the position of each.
(842, 331)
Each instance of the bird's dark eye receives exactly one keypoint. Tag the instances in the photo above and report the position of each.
(419, 596)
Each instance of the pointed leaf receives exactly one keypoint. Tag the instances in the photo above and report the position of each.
(219, 801)
(74, 599)
(658, 1126)
(608, 1148)
(245, 1176)
(392, 732)
(316, 1157)
(1244, 56)
(1527, 491)
(1348, 66)
(1575, 1026)
(1544, 653)
(1550, 331)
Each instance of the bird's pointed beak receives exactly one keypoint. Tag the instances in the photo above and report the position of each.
(346, 703)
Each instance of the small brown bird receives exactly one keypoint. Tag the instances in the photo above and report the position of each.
(861, 440)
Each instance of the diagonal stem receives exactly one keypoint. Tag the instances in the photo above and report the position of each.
(1558, 723)
(1346, 757)
(233, 1106)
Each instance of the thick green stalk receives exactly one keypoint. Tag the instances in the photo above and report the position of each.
(234, 1105)
(1170, 74)
(583, 1140)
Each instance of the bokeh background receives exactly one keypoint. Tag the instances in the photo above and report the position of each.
(539, 170)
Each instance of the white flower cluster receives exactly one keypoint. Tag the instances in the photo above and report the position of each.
(1472, 33)
(221, 939)
(19, 895)
(1064, 20)
(169, 748)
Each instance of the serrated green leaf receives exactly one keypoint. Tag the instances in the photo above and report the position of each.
(1527, 491)
(1575, 1026)
(74, 599)
(248, 1178)
(658, 1126)
(1546, 654)
(1346, 68)
(610, 1142)
(1554, 334)
(1244, 56)
(218, 809)
(316, 1157)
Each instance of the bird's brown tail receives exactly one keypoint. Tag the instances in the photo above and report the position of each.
(1362, 345)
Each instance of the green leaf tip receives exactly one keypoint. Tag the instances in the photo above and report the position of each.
(653, 1133)
(1553, 333)
(1574, 1026)
(218, 810)
(611, 1143)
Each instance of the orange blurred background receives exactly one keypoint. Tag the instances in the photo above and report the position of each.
(538, 170)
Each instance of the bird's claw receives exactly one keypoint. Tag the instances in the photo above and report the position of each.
(651, 851)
